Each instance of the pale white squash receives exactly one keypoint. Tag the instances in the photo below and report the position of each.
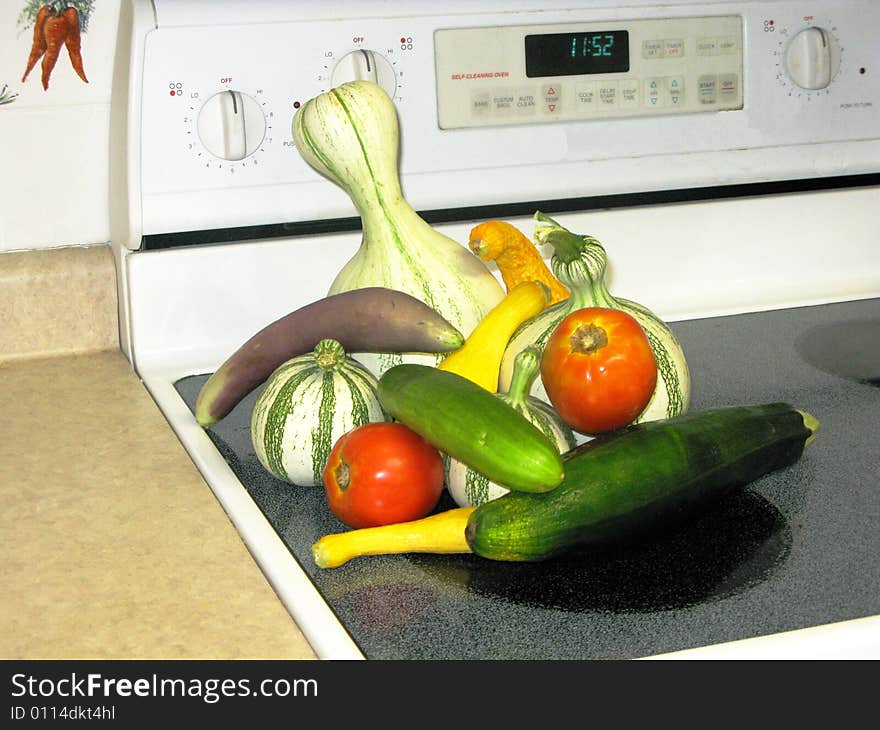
(350, 135)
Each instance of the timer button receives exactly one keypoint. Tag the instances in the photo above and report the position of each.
(674, 48)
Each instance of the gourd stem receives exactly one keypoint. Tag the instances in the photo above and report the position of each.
(329, 354)
(578, 262)
(525, 370)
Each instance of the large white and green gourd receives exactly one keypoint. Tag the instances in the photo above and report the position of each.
(351, 135)
(305, 406)
(470, 488)
(579, 262)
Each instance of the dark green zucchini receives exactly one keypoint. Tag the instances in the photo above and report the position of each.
(628, 482)
(471, 425)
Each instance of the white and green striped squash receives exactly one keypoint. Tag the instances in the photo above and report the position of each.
(470, 488)
(350, 135)
(579, 263)
(305, 406)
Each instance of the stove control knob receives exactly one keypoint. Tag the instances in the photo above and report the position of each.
(365, 65)
(231, 125)
(811, 58)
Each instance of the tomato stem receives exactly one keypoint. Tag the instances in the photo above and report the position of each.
(588, 338)
(342, 474)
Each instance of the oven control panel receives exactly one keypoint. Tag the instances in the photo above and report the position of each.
(585, 71)
(527, 100)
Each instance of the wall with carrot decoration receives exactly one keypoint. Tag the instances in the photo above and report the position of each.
(56, 66)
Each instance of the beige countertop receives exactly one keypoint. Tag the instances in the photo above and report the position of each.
(115, 545)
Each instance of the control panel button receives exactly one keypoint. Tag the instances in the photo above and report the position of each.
(629, 94)
(552, 98)
(654, 91)
(502, 102)
(526, 102)
(607, 95)
(652, 49)
(728, 85)
(707, 47)
(707, 89)
(480, 103)
(673, 47)
(675, 87)
(727, 46)
(585, 97)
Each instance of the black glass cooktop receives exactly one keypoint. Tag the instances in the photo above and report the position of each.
(798, 548)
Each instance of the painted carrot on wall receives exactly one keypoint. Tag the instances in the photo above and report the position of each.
(55, 32)
(38, 48)
(55, 23)
(73, 41)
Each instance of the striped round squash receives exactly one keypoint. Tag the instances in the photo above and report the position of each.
(305, 406)
(579, 262)
(470, 488)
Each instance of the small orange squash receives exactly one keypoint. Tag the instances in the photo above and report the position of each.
(517, 258)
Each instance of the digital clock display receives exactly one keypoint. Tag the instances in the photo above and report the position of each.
(570, 54)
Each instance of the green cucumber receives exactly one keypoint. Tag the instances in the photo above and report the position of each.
(472, 425)
(628, 482)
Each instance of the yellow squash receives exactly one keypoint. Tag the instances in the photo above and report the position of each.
(479, 358)
(443, 532)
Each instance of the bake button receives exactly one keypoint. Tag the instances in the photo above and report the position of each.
(654, 89)
(585, 97)
(673, 47)
(707, 47)
(480, 103)
(629, 94)
(728, 85)
(707, 89)
(607, 94)
(727, 46)
(652, 49)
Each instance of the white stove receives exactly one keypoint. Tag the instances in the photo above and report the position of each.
(727, 154)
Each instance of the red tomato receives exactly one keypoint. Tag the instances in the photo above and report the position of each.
(598, 369)
(382, 473)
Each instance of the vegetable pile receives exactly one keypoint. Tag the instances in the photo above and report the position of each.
(554, 414)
